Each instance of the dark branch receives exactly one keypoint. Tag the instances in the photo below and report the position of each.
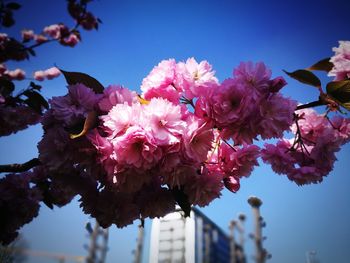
(310, 104)
(19, 167)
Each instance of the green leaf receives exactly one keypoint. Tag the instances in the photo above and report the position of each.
(340, 91)
(305, 76)
(322, 65)
(13, 6)
(182, 200)
(73, 78)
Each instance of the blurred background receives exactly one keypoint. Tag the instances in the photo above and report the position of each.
(134, 37)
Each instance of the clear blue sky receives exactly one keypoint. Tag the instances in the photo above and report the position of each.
(135, 36)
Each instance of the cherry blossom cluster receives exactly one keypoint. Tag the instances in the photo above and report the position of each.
(9, 115)
(309, 156)
(146, 150)
(184, 139)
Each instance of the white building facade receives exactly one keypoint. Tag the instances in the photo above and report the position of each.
(195, 239)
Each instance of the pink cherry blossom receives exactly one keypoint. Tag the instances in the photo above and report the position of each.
(113, 95)
(203, 188)
(52, 73)
(75, 105)
(232, 183)
(341, 61)
(40, 38)
(39, 75)
(27, 35)
(70, 41)
(277, 116)
(137, 148)
(160, 83)
(11, 123)
(195, 77)
(164, 121)
(17, 74)
(19, 204)
(197, 140)
(121, 117)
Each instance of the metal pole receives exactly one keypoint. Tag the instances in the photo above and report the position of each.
(259, 251)
(139, 247)
(232, 242)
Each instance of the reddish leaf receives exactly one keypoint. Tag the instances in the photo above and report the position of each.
(305, 76)
(323, 65)
(73, 78)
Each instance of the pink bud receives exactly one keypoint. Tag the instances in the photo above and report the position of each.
(27, 35)
(53, 31)
(2, 69)
(40, 38)
(3, 37)
(71, 41)
(277, 83)
(39, 75)
(52, 73)
(232, 183)
(16, 74)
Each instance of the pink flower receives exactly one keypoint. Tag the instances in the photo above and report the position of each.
(179, 174)
(279, 157)
(196, 77)
(52, 73)
(27, 35)
(230, 104)
(341, 61)
(56, 31)
(204, 188)
(160, 83)
(19, 204)
(164, 121)
(75, 105)
(310, 161)
(277, 83)
(114, 95)
(3, 69)
(137, 148)
(277, 116)
(236, 161)
(129, 180)
(70, 41)
(39, 75)
(104, 149)
(40, 39)
(4, 37)
(121, 117)
(11, 123)
(155, 201)
(17, 74)
(255, 77)
(232, 183)
(197, 140)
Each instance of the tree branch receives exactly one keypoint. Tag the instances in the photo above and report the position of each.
(310, 104)
(19, 167)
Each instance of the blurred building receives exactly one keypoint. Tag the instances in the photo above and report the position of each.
(195, 239)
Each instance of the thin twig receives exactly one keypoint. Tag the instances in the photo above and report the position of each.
(19, 167)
